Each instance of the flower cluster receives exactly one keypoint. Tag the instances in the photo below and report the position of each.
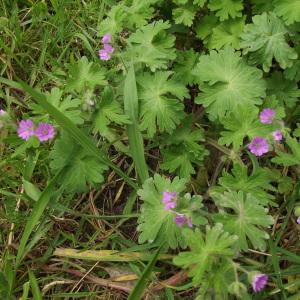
(43, 131)
(169, 201)
(259, 145)
(105, 53)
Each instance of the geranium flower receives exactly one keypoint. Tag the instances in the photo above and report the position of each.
(267, 116)
(26, 129)
(258, 146)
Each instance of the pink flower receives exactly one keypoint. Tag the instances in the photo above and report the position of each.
(104, 55)
(106, 38)
(26, 129)
(267, 116)
(181, 219)
(298, 220)
(169, 200)
(2, 112)
(45, 132)
(258, 146)
(277, 135)
(108, 48)
(259, 281)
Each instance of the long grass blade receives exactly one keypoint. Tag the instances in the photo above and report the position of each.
(139, 289)
(135, 138)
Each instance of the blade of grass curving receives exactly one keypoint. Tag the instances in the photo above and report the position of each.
(36, 292)
(139, 289)
(70, 127)
(36, 213)
(135, 138)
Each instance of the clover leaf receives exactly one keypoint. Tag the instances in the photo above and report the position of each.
(156, 223)
(228, 82)
(161, 108)
(242, 215)
(265, 39)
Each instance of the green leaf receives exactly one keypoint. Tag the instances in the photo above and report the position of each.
(85, 75)
(182, 149)
(243, 122)
(242, 215)
(184, 15)
(109, 111)
(36, 292)
(139, 289)
(286, 91)
(288, 159)
(226, 8)
(136, 142)
(205, 27)
(160, 106)
(208, 251)
(200, 3)
(227, 33)
(114, 22)
(258, 183)
(265, 39)
(289, 10)
(155, 223)
(151, 45)
(229, 82)
(67, 105)
(186, 61)
(84, 170)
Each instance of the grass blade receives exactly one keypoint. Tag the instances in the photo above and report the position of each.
(35, 215)
(135, 138)
(139, 289)
(36, 292)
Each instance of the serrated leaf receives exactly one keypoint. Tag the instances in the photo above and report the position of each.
(286, 91)
(160, 106)
(83, 169)
(156, 223)
(182, 149)
(289, 10)
(243, 122)
(186, 61)
(258, 183)
(85, 75)
(109, 111)
(242, 215)
(227, 33)
(229, 82)
(206, 251)
(226, 8)
(205, 26)
(152, 46)
(265, 39)
(67, 105)
(184, 15)
(288, 159)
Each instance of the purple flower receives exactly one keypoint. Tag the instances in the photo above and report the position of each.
(258, 146)
(108, 48)
(45, 132)
(277, 135)
(169, 200)
(259, 281)
(267, 116)
(25, 129)
(181, 219)
(298, 220)
(2, 112)
(104, 55)
(106, 38)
